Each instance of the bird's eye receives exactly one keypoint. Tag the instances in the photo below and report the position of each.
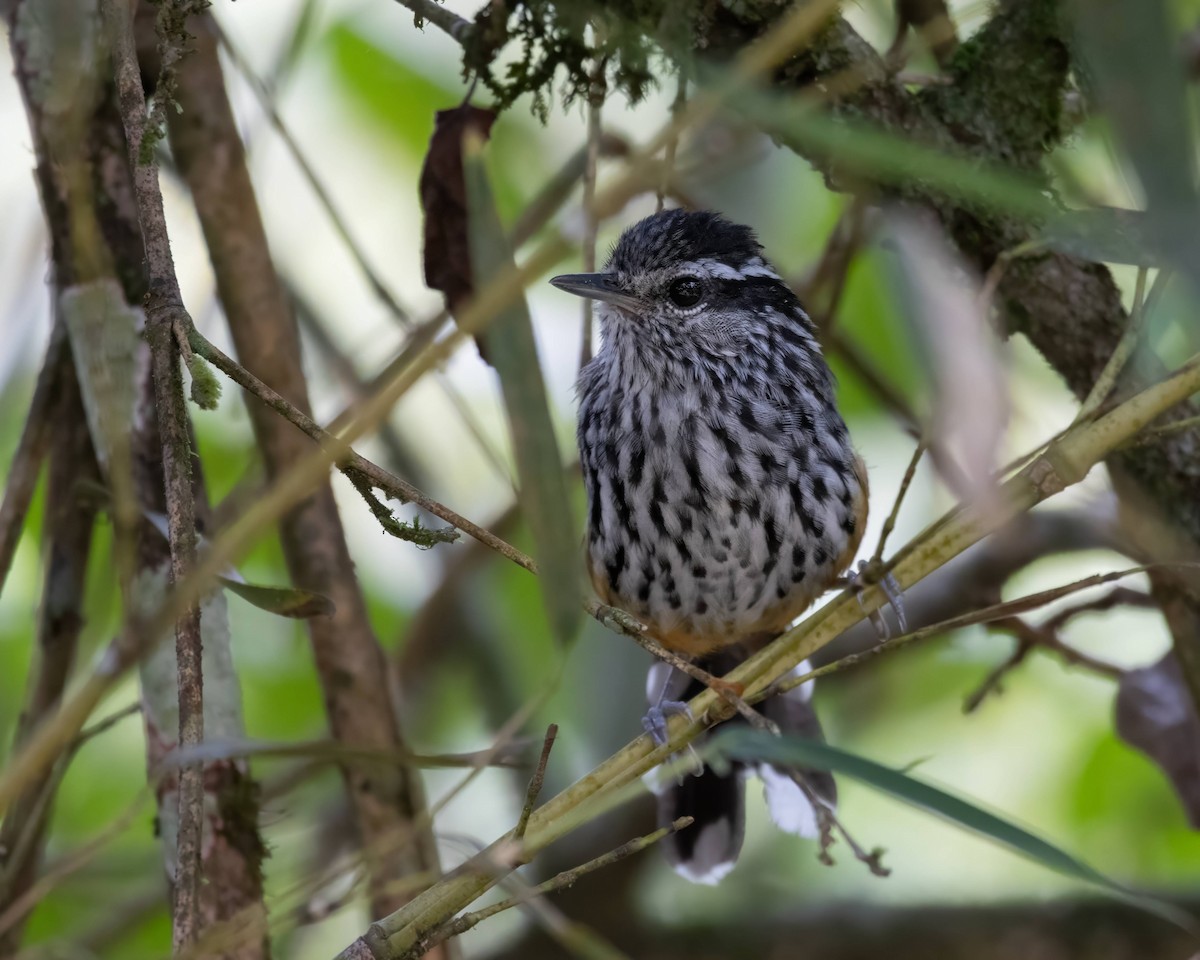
(685, 291)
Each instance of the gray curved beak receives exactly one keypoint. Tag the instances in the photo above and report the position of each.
(596, 286)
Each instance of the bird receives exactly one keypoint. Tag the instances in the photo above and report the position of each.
(724, 495)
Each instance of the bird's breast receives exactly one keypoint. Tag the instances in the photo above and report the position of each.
(713, 516)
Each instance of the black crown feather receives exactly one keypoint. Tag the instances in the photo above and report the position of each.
(679, 236)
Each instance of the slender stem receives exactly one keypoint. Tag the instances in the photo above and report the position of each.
(591, 221)
(535, 782)
(357, 253)
(1107, 380)
(491, 452)
(668, 165)
(1188, 423)
(890, 523)
(66, 539)
(350, 462)
(621, 622)
(445, 20)
(164, 314)
(995, 613)
(852, 355)
(31, 449)
(566, 878)
(70, 864)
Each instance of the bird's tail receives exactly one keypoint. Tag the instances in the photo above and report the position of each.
(708, 849)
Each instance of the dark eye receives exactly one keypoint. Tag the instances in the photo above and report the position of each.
(685, 291)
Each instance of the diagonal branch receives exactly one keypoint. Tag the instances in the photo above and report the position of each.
(32, 448)
(1064, 463)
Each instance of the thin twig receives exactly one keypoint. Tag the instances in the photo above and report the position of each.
(995, 274)
(352, 464)
(491, 453)
(357, 253)
(485, 758)
(31, 449)
(1107, 381)
(71, 863)
(103, 726)
(890, 523)
(399, 458)
(451, 23)
(1117, 596)
(557, 190)
(668, 165)
(623, 623)
(1154, 433)
(164, 315)
(994, 613)
(17, 852)
(565, 879)
(892, 399)
(991, 683)
(1030, 636)
(828, 823)
(833, 267)
(66, 542)
(335, 751)
(535, 782)
(591, 222)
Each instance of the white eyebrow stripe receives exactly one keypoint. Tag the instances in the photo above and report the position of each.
(756, 268)
(714, 269)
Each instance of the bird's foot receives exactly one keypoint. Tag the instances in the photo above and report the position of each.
(868, 575)
(655, 724)
(655, 720)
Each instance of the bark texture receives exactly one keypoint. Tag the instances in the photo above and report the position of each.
(86, 188)
(210, 157)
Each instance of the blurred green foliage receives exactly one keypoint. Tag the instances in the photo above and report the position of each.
(1043, 753)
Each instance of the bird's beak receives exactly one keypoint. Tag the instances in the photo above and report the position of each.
(596, 286)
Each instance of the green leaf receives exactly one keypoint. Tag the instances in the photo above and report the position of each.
(511, 349)
(869, 150)
(1131, 56)
(281, 601)
(740, 743)
(400, 100)
(1106, 234)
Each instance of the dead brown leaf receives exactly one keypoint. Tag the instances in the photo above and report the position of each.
(444, 200)
(1157, 715)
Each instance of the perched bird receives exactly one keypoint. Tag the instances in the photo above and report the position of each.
(724, 495)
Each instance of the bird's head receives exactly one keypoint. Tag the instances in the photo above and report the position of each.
(678, 280)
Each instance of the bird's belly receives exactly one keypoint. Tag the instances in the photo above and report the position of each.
(706, 571)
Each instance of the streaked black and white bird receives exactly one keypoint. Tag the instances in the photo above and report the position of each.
(724, 495)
